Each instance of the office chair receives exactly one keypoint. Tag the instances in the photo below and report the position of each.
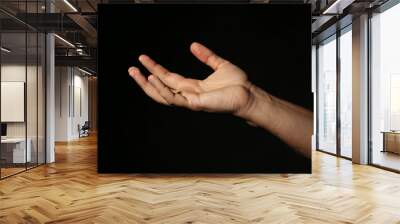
(84, 130)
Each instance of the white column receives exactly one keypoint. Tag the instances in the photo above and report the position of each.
(314, 91)
(50, 99)
(50, 92)
(360, 90)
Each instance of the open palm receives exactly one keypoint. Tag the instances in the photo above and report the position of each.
(227, 89)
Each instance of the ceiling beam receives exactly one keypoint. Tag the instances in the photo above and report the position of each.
(81, 61)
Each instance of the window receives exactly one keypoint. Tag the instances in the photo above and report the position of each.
(346, 92)
(327, 95)
(385, 88)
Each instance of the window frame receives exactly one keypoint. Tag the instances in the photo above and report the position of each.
(334, 37)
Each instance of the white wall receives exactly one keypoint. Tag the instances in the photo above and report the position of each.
(314, 91)
(62, 80)
(14, 72)
(80, 84)
(17, 72)
(71, 94)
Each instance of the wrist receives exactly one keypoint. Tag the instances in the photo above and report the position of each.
(256, 99)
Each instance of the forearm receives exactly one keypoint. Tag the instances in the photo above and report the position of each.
(291, 123)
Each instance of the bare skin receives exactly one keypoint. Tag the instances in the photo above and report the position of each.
(227, 90)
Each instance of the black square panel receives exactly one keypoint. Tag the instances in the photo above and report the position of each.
(272, 43)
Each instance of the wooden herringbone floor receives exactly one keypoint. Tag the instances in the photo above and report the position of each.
(70, 191)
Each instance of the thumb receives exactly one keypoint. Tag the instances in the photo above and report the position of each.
(206, 56)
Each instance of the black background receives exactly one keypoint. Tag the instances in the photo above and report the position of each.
(272, 43)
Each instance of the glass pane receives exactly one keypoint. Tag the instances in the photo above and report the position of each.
(22, 89)
(32, 95)
(14, 153)
(386, 88)
(31, 84)
(41, 97)
(346, 94)
(327, 96)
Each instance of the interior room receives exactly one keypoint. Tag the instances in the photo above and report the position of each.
(49, 127)
(22, 104)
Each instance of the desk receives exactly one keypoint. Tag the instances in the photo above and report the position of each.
(391, 141)
(13, 150)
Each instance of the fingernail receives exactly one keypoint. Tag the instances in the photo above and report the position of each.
(132, 70)
(141, 57)
(194, 46)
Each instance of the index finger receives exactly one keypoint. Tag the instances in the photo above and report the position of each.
(152, 66)
(170, 79)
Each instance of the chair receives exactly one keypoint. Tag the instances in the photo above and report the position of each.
(84, 130)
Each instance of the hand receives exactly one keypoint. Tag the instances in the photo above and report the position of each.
(227, 89)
